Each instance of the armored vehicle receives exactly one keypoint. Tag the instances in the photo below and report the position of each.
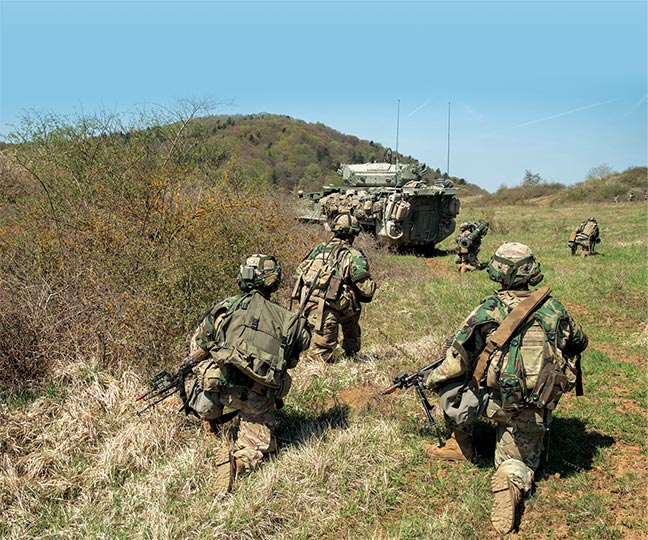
(392, 201)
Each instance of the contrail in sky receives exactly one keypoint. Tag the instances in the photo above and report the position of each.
(636, 105)
(419, 107)
(554, 116)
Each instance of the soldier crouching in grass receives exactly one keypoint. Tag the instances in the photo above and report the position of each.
(246, 344)
(512, 360)
(468, 245)
(586, 235)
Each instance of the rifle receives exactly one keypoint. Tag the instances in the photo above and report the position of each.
(579, 376)
(405, 380)
(165, 384)
(309, 292)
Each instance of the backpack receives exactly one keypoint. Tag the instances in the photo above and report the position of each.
(259, 338)
(321, 266)
(590, 229)
(530, 369)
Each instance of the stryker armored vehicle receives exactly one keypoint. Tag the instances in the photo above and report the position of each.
(391, 201)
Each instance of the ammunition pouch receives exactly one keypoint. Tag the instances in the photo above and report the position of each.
(551, 385)
(334, 289)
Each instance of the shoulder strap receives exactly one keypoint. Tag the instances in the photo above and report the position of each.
(505, 331)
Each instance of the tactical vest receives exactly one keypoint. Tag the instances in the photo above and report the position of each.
(530, 369)
(259, 338)
(323, 268)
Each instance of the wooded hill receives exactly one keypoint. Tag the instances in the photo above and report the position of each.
(286, 152)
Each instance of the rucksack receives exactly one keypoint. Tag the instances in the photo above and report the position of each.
(590, 229)
(530, 369)
(260, 338)
(323, 268)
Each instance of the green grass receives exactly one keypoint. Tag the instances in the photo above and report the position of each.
(77, 463)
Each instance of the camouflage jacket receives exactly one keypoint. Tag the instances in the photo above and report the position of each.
(566, 334)
(351, 266)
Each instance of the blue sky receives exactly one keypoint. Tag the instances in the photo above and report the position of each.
(553, 87)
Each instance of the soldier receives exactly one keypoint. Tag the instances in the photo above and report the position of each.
(246, 344)
(512, 360)
(342, 283)
(586, 236)
(468, 245)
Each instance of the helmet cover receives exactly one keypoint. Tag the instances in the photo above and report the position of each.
(345, 224)
(258, 271)
(514, 266)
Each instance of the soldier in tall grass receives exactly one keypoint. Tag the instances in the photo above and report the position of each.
(247, 344)
(341, 282)
(512, 360)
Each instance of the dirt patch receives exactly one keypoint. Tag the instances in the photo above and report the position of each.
(439, 267)
(629, 506)
(620, 321)
(359, 400)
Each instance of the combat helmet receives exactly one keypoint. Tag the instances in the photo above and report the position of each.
(345, 225)
(465, 226)
(259, 271)
(514, 266)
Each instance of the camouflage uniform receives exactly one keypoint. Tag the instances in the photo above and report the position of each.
(586, 236)
(229, 387)
(467, 248)
(520, 430)
(327, 315)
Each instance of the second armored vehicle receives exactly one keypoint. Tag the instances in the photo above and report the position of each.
(391, 201)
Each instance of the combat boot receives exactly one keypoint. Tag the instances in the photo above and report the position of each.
(209, 426)
(507, 496)
(225, 471)
(459, 447)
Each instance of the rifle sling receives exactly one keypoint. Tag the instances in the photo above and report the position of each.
(506, 329)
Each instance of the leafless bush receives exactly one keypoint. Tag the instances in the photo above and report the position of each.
(125, 240)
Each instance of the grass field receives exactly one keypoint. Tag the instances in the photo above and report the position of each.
(78, 463)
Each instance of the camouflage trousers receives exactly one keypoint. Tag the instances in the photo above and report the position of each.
(584, 242)
(467, 262)
(519, 438)
(324, 337)
(255, 437)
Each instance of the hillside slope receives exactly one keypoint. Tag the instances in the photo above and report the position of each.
(631, 181)
(283, 151)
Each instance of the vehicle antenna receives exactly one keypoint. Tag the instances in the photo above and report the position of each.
(397, 128)
(448, 162)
